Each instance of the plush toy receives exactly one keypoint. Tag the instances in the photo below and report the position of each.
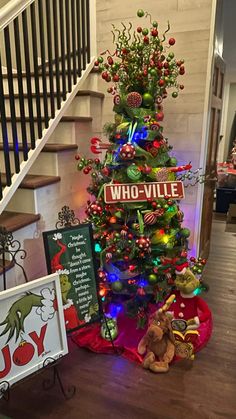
(158, 343)
(187, 306)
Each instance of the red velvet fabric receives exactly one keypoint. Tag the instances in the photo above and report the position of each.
(129, 336)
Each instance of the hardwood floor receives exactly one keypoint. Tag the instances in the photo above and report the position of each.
(112, 387)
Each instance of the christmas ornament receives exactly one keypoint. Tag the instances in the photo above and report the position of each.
(143, 243)
(147, 100)
(150, 218)
(134, 100)
(127, 152)
(94, 209)
(162, 175)
(185, 232)
(152, 279)
(117, 286)
(109, 329)
(133, 172)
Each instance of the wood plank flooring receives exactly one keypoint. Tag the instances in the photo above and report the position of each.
(111, 387)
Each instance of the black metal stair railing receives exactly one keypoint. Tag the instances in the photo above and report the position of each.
(43, 52)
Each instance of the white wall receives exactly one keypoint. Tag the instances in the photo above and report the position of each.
(190, 24)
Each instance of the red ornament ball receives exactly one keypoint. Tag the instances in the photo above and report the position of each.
(171, 41)
(127, 152)
(23, 354)
(134, 100)
(94, 209)
(143, 243)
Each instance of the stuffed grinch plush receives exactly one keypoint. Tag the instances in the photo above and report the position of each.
(158, 343)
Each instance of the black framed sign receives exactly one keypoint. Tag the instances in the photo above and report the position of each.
(70, 252)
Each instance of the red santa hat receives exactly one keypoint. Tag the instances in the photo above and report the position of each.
(181, 269)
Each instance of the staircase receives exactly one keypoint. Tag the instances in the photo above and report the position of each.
(49, 105)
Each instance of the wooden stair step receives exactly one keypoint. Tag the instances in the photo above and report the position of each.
(13, 221)
(48, 148)
(34, 181)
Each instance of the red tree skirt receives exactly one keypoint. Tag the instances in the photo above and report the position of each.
(129, 337)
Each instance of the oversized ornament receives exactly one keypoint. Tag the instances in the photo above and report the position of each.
(127, 152)
(134, 100)
(133, 172)
(94, 209)
(109, 330)
(143, 243)
(185, 232)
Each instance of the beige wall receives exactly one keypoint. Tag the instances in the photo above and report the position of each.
(3, 2)
(190, 24)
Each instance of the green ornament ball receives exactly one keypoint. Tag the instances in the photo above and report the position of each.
(133, 172)
(185, 232)
(80, 166)
(175, 94)
(147, 99)
(109, 330)
(100, 59)
(117, 286)
(153, 72)
(173, 161)
(152, 279)
(155, 24)
(171, 55)
(145, 31)
(140, 13)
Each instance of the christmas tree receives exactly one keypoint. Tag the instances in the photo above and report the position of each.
(137, 188)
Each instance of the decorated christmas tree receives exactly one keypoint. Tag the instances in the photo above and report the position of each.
(141, 240)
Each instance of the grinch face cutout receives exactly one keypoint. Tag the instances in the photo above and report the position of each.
(186, 282)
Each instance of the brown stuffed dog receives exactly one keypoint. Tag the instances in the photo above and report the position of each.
(158, 342)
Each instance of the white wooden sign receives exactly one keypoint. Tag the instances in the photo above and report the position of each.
(32, 328)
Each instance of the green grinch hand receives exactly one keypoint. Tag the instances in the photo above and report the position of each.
(18, 312)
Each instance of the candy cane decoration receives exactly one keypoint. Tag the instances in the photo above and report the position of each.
(97, 145)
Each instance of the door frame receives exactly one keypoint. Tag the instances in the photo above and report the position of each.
(205, 125)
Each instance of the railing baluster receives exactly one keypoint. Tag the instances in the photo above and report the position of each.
(28, 78)
(36, 71)
(78, 24)
(12, 98)
(73, 39)
(4, 129)
(62, 32)
(20, 89)
(88, 30)
(67, 4)
(55, 27)
(43, 66)
(83, 24)
(48, 18)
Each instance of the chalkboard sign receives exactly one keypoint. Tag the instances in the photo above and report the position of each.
(70, 252)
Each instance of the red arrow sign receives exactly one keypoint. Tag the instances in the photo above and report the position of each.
(138, 192)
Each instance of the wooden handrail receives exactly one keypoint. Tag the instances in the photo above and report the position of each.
(11, 10)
